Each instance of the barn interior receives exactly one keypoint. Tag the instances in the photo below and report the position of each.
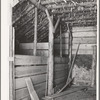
(55, 50)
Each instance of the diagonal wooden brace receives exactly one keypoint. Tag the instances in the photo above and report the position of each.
(31, 89)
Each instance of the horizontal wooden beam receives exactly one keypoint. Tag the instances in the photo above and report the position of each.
(30, 70)
(45, 2)
(84, 51)
(29, 60)
(82, 34)
(30, 46)
(87, 40)
(85, 4)
(84, 29)
(79, 20)
(43, 53)
(29, 8)
(48, 2)
(74, 46)
(72, 11)
(80, 52)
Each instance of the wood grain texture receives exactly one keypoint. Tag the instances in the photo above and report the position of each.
(40, 96)
(30, 46)
(29, 60)
(36, 60)
(59, 67)
(60, 80)
(84, 29)
(44, 46)
(60, 74)
(74, 46)
(38, 73)
(31, 89)
(94, 64)
(83, 47)
(82, 34)
(27, 98)
(37, 79)
(80, 52)
(51, 54)
(60, 60)
(59, 86)
(86, 40)
(30, 70)
(35, 33)
(22, 93)
(23, 71)
(30, 52)
(11, 53)
(60, 42)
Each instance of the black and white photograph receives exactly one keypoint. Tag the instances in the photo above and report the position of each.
(53, 49)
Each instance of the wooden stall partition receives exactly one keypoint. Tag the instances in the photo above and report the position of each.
(27, 49)
(86, 36)
(61, 72)
(35, 67)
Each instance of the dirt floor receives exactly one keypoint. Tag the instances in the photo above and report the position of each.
(75, 93)
(87, 93)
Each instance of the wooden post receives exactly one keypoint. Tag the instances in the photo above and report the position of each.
(94, 61)
(51, 44)
(56, 25)
(70, 46)
(60, 42)
(51, 58)
(35, 33)
(11, 55)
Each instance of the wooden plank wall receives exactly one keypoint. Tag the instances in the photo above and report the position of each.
(27, 49)
(35, 67)
(84, 35)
